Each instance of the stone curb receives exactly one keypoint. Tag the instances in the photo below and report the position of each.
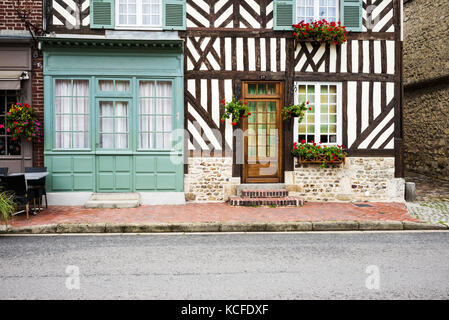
(220, 227)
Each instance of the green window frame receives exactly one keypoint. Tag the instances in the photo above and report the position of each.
(116, 87)
(110, 125)
(155, 114)
(72, 113)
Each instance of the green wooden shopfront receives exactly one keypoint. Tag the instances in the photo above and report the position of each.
(114, 115)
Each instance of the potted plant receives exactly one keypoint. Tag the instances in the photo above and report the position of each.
(235, 110)
(318, 153)
(298, 110)
(21, 120)
(6, 206)
(320, 31)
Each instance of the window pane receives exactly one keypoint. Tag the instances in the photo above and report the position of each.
(107, 141)
(106, 109)
(252, 88)
(122, 86)
(121, 141)
(63, 88)
(107, 125)
(2, 146)
(106, 85)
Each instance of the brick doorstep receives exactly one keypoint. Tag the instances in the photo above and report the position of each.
(265, 201)
(264, 193)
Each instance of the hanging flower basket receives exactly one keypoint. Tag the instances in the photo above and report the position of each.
(235, 110)
(21, 121)
(298, 110)
(317, 153)
(320, 31)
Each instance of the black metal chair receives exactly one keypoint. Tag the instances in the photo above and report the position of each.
(17, 184)
(38, 187)
(3, 173)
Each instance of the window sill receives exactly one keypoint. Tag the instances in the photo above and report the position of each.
(138, 28)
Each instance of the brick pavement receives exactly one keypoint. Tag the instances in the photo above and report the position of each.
(219, 212)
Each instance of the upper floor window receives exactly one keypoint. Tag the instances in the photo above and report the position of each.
(139, 13)
(289, 12)
(313, 10)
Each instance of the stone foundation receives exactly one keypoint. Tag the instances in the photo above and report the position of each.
(210, 180)
(359, 179)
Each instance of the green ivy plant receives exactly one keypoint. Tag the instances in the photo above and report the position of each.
(311, 151)
(235, 110)
(298, 110)
(6, 205)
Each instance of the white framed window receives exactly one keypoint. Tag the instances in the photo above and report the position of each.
(71, 100)
(323, 122)
(138, 14)
(155, 115)
(313, 10)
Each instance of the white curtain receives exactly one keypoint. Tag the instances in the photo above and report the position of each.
(106, 85)
(146, 112)
(164, 119)
(122, 86)
(106, 125)
(121, 125)
(72, 108)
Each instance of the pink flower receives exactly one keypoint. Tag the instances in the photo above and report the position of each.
(1, 126)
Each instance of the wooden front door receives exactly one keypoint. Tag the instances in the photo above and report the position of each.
(263, 132)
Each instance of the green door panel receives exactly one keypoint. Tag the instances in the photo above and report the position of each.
(105, 182)
(62, 164)
(62, 182)
(83, 182)
(115, 173)
(166, 181)
(83, 164)
(145, 164)
(145, 182)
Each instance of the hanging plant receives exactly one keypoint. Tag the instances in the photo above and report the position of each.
(318, 153)
(235, 110)
(321, 31)
(298, 110)
(21, 121)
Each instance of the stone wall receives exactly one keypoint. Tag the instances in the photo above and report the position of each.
(209, 180)
(426, 131)
(426, 31)
(426, 79)
(359, 179)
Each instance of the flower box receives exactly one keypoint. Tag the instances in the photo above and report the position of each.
(320, 159)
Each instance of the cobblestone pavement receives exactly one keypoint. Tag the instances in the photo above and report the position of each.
(432, 199)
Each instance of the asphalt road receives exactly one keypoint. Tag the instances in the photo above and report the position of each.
(402, 265)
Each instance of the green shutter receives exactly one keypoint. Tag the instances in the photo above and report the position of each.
(351, 14)
(174, 14)
(102, 14)
(283, 14)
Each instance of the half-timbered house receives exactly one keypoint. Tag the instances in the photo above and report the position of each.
(121, 76)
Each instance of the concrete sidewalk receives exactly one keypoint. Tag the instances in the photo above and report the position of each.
(220, 217)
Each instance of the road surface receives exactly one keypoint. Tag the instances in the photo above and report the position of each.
(356, 265)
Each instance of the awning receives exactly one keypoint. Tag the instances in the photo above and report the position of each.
(10, 80)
